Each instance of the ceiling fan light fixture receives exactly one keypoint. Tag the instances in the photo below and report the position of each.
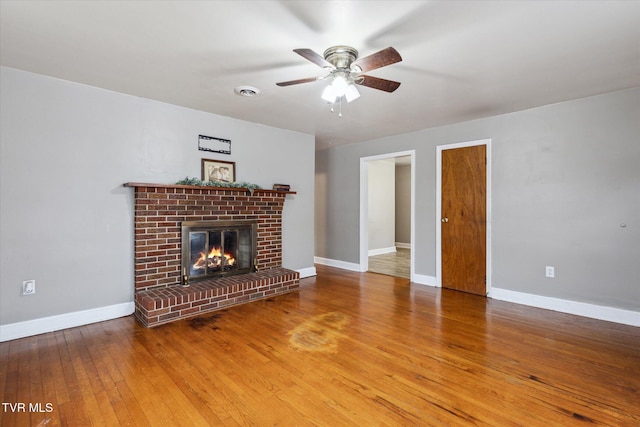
(340, 86)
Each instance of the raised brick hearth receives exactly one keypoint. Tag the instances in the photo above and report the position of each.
(160, 305)
(159, 212)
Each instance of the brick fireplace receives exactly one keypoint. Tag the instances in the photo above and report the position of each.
(160, 211)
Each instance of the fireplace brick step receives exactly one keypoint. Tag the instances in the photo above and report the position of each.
(157, 306)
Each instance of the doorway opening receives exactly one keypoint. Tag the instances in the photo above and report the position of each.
(380, 250)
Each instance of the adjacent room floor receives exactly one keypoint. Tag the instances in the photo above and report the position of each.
(397, 264)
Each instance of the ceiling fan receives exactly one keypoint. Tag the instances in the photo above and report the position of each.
(345, 70)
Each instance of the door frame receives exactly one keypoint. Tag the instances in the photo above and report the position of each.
(439, 150)
(364, 206)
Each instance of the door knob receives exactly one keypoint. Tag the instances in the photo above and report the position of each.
(445, 219)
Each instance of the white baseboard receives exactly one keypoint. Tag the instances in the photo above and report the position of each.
(63, 321)
(403, 245)
(382, 251)
(307, 272)
(79, 318)
(338, 264)
(422, 279)
(43, 325)
(610, 314)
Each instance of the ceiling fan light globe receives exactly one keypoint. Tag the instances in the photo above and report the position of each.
(329, 94)
(339, 85)
(352, 93)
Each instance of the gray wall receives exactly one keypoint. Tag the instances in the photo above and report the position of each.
(403, 204)
(67, 221)
(565, 177)
(381, 208)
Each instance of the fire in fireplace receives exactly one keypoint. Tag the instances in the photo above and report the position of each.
(217, 248)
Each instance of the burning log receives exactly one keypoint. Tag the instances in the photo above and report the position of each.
(214, 260)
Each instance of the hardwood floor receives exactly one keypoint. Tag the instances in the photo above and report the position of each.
(348, 349)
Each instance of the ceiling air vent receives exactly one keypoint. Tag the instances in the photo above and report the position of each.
(247, 91)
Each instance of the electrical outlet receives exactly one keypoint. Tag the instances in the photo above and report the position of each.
(28, 287)
(550, 271)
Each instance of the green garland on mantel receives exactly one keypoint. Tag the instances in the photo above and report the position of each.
(219, 184)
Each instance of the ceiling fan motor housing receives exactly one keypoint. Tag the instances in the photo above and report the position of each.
(341, 56)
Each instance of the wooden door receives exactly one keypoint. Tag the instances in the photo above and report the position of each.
(463, 222)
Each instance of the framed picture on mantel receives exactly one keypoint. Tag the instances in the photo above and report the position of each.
(218, 170)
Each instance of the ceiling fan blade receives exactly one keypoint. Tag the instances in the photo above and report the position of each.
(314, 57)
(376, 60)
(377, 83)
(297, 82)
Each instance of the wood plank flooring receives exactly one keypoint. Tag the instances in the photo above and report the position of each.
(349, 349)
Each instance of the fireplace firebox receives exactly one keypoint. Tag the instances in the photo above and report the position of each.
(217, 248)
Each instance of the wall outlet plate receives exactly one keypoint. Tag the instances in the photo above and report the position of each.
(550, 271)
(28, 287)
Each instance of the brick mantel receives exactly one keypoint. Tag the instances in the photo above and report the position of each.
(199, 187)
(160, 210)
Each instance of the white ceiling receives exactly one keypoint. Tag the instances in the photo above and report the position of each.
(462, 60)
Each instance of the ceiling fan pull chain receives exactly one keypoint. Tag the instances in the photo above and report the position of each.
(340, 106)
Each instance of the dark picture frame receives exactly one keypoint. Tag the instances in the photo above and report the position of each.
(218, 170)
(213, 144)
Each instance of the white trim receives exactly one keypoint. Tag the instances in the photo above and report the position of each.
(43, 325)
(382, 251)
(307, 272)
(364, 206)
(610, 314)
(364, 215)
(337, 264)
(439, 150)
(422, 279)
(403, 245)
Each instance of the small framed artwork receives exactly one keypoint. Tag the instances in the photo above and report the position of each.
(218, 170)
